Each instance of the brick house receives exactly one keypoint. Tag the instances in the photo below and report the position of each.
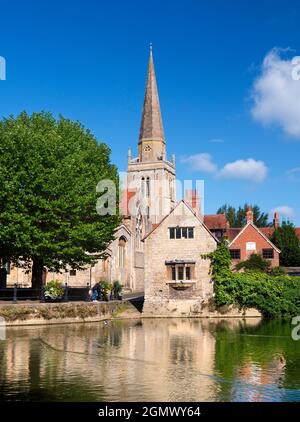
(250, 239)
(177, 278)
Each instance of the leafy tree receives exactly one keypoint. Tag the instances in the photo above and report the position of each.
(286, 240)
(237, 217)
(254, 263)
(274, 296)
(49, 170)
(220, 263)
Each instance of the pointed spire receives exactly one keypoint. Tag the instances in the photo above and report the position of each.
(151, 124)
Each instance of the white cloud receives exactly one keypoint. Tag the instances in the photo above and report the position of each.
(250, 169)
(217, 140)
(284, 210)
(200, 162)
(294, 174)
(276, 93)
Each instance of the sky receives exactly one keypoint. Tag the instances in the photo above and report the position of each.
(228, 79)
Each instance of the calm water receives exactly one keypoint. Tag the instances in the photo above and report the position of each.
(159, 360)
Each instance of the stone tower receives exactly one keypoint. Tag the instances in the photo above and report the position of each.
(150, 173)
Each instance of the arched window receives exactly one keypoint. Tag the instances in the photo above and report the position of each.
(143, 185)
(122, 246)
(148, 186)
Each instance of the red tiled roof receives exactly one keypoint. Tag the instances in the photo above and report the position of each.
(215, 221)
(297, 229)
(230, 234)
(267, 231)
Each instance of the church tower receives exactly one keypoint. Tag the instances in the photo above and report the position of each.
(151, 173)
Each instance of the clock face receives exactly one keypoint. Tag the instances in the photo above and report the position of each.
(147, 148)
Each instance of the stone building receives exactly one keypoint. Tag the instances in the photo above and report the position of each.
(177, 279)
(149, 194)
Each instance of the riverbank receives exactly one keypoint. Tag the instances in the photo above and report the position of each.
(67, 313)
(33, 313)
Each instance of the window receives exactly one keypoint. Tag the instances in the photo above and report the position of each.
(122, 245)
(148, 186)
(251, 246)
(184, 232)
(148, 212)
(172, 232)
(191, 232)
(73, 273)
(181, 232)
(268, 253)
(235, 253)
(143, 185)
(181, 272)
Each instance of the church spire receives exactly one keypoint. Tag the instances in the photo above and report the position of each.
(151, 132)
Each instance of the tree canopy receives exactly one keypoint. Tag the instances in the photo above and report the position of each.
(237, 216)
(285, 238)
(49, 170)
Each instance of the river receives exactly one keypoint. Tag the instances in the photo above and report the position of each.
(151, 360)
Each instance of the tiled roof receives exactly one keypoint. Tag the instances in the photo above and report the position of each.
(230, 234)
(267, 231)
(215, 221)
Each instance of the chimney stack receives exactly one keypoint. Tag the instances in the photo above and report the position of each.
(249, 215)
(191, 197)
(276, 220)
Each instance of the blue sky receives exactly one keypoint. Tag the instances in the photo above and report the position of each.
(231, 111)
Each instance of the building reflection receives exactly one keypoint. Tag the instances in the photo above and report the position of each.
(139, 360)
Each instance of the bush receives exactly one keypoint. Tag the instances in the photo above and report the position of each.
(54, 290)
(254, 263)
(273, 296)
(105, 287)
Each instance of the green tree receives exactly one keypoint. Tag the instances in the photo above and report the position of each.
(254, 263)
(286, 240)
(49, 170)
(237, 216)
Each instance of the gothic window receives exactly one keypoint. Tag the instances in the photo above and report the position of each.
(143, 185)
(122, 246)
(138, 229)
(148, 186)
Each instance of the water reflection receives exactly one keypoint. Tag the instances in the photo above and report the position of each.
(151, 360)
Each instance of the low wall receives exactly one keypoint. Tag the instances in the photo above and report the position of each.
(194, 308)
(61, 313)
(76, 312)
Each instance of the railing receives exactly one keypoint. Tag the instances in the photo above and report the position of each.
(16, 294)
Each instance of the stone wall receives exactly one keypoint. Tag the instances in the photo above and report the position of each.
(159, 295)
